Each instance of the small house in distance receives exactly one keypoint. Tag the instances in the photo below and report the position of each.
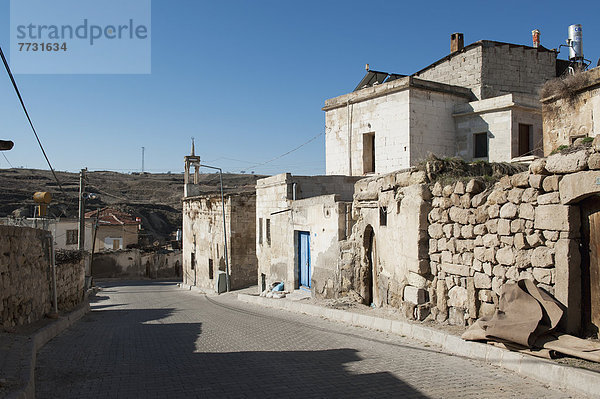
(114, 229)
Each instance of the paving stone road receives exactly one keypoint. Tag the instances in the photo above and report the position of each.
(153, 340)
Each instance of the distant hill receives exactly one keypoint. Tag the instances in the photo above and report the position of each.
(154, 197)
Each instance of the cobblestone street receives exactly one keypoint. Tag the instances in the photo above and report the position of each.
(151, 339)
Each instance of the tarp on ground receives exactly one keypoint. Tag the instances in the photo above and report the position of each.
(526, 320)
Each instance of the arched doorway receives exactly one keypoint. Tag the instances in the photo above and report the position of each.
(370, 292)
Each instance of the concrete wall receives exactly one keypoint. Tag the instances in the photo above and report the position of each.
(203, 237)
(135, 263)
(573, 116)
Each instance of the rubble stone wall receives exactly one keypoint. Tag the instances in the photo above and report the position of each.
(70, 282)
(204, 240)
(134, 263)
(481, 240)
(24, 275)
(447, 248)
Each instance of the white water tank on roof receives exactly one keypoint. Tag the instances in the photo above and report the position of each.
(576, 42)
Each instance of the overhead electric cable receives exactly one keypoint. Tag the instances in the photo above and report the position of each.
(7, 160)
(28, 118)
(287, 153)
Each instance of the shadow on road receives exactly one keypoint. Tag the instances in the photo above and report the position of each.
(131, 352)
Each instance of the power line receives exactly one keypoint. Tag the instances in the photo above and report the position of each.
(7, 160)
(14, 83)
(287, 153)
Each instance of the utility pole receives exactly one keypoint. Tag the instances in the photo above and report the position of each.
(143, 149)
(81, 231)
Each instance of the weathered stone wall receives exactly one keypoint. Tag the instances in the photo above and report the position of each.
(204, 241)
(243, 242)
(25, 275)
(320, 208)
(445, 250)
(387, 248)
(135, 263)
(70, 284)
(572, 112)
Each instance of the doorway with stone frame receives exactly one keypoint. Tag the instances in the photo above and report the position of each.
(590, 265)
(369, 269)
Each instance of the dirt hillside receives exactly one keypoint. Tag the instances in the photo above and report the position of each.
(156, 198)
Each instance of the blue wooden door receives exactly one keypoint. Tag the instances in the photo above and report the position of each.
(304, 257)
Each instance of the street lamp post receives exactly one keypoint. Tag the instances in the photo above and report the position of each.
(224, 224)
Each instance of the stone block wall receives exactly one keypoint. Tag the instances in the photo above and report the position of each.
(492, 69)
(515, 69)
(461, 69)
(481, 240)
(70, 284)
(24, 275)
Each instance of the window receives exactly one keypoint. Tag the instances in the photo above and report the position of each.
(72, 237)
(192, 261)
(210, 269)
(268, 231)
(525, 139)
(481, 145)
(260, 233)
(116, 244)
(368, 153)
(383, 216)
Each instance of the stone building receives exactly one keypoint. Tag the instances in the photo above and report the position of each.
(571, 106)
(300, 222)
(217, 236)
(204, 254)
(480, 102)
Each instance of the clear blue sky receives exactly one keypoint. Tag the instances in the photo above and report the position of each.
(248, 79)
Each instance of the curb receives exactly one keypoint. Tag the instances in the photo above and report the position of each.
(553, 374)
(37, 341)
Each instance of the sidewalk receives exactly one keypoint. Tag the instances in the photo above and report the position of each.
(18, 352)
(546, 371)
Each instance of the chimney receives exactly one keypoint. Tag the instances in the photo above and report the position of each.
(535, 35)
(457, 42)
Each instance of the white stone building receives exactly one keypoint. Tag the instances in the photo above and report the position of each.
(480, 102)
(300, 221)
